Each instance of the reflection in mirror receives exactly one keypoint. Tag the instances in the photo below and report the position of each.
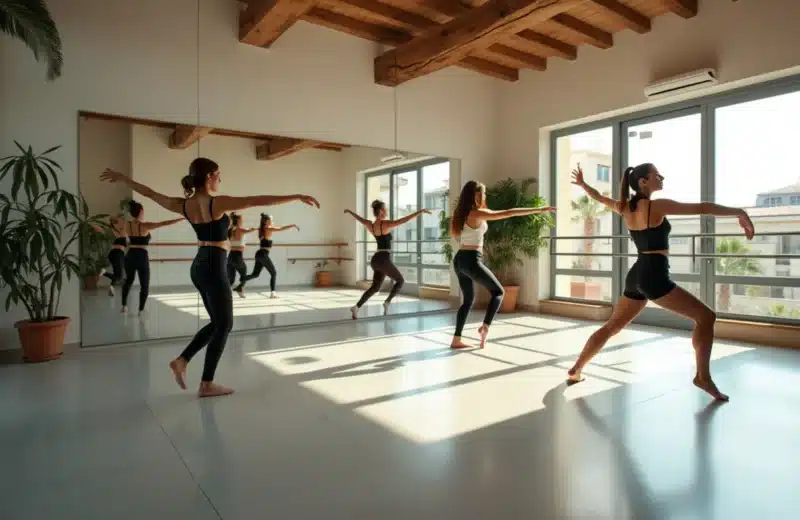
(289, 264)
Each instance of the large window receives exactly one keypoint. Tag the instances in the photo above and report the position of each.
(734, 149)
(417, 244)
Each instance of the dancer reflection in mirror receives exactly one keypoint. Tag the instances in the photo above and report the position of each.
(116, 255)
(237, 234)
(648, 278)
(263, 261)
(381, 261)
(469, 225)
(208, 215)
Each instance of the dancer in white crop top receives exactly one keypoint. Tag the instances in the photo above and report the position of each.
(237, 235)
(469, 224)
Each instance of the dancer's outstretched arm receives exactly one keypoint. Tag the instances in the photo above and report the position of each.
(609, 202)
(489, 214)
(672, 207)
(391, 224)
(173, 204)
(359, 218)
(150, 226)
(284, 228)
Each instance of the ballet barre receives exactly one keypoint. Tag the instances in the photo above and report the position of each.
(338, 258)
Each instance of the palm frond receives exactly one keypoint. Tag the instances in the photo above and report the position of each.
(30, 22)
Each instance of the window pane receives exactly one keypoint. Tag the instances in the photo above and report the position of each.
(439, 277)
(435, 183)
(759, 300)
(405, 203)
(579, 215)
(408, 272)
(583, 287)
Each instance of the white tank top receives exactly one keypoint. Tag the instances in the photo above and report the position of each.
(474, 236)
(239, 243)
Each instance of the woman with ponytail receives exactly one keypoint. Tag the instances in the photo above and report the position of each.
(469, 225)
(263, 261)
(137, 259)
(116, 256)
(208, 215)
(381, 261)
(648, 278)
(237, 234)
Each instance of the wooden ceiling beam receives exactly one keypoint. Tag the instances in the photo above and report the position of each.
(277, 147)
(585, 31)
(683, 8)
(264, 21)
(561, 49)
(629, 17)
(185, 136)
(453, 41)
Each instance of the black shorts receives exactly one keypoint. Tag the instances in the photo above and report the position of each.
(648, 278)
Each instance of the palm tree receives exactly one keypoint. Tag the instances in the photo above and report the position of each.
(30, 22)
(589, 211)
(734, 266)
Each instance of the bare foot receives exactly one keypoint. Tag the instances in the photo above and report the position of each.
(178, 367)
(483, 331)
(354, 312)
(574, 376)
(385, 309)
(708, 386)
(210, 389)
(123, 310)
(240, 292)
(273, 296)
(457, 343)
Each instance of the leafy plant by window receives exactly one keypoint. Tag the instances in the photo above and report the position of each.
(40, 227)
(510, 240)
(30, 22)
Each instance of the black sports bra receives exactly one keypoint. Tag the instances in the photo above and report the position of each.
(384, 241)
(138, 240)
(266, 242)
(120, 241)
(652, 239)
(213, 231)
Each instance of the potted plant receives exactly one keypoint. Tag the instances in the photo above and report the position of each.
(95, 244)
(40, 227)
(324, 278)
(508, 241)
(30, 22)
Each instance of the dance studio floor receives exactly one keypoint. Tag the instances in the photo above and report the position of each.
(379, 420)
(173, 312)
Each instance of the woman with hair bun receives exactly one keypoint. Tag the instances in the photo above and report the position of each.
(137, 259)
(263, 261)
(208, 215)
(381, 261)
(237, 234)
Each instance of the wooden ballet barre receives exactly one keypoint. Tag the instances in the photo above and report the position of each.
(255, 244)
(336, 259)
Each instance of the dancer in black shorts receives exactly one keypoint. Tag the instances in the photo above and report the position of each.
(469, 225)
(648, 278)
(381, 261)
(263, 261)
(237, 234)
(137, 259)
(208, 216)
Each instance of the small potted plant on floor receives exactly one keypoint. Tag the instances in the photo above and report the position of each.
(508, 241)
(40, 228)
(95, 244)
(324, 278)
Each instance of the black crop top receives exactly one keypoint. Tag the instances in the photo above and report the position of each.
(214, 231)
(652, 239)
(120, 241)
(266, 242)
(384, 241)
(138, 240)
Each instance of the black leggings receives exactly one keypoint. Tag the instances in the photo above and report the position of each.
(470, 269)
(263, 261)
(137, 261)
(382, 267)
(210, 277)
(116, 257)
(236, 265)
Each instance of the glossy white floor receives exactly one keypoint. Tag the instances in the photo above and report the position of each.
(380, 420)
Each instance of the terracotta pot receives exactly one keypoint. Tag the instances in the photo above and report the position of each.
(91, 283)
(510, 299)
(42, 341)
(324, 278)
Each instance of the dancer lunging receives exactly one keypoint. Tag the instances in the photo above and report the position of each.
(648, 278)
(137, 259)
(381, 261)
(116, 256)
(237, 234)
(469, 225)
(263, 261)
(208, 216)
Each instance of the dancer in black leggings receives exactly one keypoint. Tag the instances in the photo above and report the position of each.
(381, 261)
(116, 256)
(137, 260)
(648, 278)
(209, 218)
(237, 234)
(469, 224)
(263, 261)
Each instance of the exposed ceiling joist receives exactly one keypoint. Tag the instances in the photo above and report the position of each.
(185, 136)
(264, 21)
(627, 16)
(475, 30)
(589, 33)
(282, 146)
(683, 8)
(557, 47)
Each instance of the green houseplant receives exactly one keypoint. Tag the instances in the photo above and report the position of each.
(40, 227)
(508, 241)
(94, 255)
(30, 22)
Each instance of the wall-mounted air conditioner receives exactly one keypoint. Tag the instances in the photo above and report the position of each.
(679, 84)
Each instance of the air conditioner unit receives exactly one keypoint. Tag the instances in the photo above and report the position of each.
(679, 84)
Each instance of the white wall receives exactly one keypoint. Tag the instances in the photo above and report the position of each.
(103, 144)
(313, 82)
(740, 39)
